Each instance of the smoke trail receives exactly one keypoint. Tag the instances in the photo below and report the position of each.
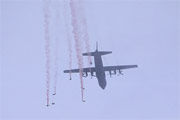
(85, 31)
(47, 46)
(68, 36)
(56, 53)
(56, 65)
(85, 35)
(77, 41)
(86, 39)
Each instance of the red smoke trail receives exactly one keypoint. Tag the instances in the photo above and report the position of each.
(68, 35)
(86, 38)
(47, 46)
(77, 40)
(85, 35)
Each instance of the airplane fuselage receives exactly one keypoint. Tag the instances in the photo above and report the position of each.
(100, 73)
(99, 69)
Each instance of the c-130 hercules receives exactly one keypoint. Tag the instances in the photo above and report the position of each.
(99, 69)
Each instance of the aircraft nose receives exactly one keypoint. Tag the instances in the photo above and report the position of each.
(103, 86)
(102, 83)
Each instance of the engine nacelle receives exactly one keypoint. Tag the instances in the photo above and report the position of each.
(115, 72)
(120, 72)
(92, 74)
(110, 73)
(85, 74)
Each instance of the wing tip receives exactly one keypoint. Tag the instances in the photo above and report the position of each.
(66, 71)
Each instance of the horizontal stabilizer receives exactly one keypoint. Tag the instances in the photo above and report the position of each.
(104, 52)
(97, 53)
(89, 54)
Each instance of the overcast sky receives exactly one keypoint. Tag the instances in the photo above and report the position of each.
(142, 32)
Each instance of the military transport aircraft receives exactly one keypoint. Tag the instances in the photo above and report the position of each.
(99, 69)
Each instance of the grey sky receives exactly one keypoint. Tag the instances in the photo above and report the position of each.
(143, 32)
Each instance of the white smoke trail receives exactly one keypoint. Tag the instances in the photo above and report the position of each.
(57, 39)
(47, 45)
(67, 29)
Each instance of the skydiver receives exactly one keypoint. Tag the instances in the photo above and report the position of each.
(53, 103)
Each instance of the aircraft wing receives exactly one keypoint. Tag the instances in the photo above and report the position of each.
(91, 69)
(112, 68)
